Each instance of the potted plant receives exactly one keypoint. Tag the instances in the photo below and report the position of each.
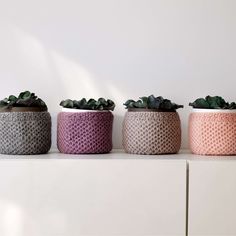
(151, 126)
(25, 125)
(85, 126)
(212, 126)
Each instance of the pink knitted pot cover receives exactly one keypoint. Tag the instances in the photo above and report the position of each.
(85, 132)
(151, 132)
(212, 133)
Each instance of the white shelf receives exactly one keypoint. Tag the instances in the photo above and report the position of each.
(117, 194)
(184, 154)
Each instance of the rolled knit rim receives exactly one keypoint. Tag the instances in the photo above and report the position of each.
(23, 116)
(23, 109)
(202, 110)
(72, 110)
(148, 110)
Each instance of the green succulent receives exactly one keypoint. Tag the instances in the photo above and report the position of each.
(91, 104)
(152, 102)
(214, 102)
(25, 99)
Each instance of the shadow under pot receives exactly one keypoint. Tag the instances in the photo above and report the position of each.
(25, 131)
(84, 131)
(212, 132)
(151, 132)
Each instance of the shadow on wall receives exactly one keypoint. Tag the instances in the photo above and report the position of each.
(54, 77)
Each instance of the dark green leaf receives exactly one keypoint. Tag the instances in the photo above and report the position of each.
(128, 102)
(111, 105)
(139, 104)
(75, 104)
(5, 100)
(41, 103)
(25, 99)
(215, 102)
(212, 102)
(200, 103)
(3, 103)
(232, 105)
(102, 101)
(82, 104)
(166, 105)
(26, 95)
(23, 95)
(144, 102)
(91, 104)
(67, 103)
(152, 102)
(12, 98)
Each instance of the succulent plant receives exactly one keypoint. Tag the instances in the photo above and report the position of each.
(91, 104)
(25, 99)
(214, 102)
(152, 102)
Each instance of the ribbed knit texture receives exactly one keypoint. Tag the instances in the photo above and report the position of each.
(25, 132)
(151, 132)
(212, 133)
(85, 132)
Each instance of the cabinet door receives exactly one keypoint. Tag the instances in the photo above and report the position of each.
(109, 197)
(212, 198)
(15, 199)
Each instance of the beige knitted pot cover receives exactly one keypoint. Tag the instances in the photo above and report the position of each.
(151, 132)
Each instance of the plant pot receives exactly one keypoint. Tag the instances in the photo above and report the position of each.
(84, 131)
(212, 132)
(151, 132)
(25, 132)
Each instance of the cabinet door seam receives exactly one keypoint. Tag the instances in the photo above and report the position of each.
(187, 197)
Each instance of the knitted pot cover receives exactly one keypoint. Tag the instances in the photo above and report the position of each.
(85, 132)
(25, 132)
(151, 132)
(212, 133)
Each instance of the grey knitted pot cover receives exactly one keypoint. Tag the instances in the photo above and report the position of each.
(25, 132)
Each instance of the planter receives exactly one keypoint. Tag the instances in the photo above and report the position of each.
(23, 131)
(212, 132)
(151, 132)
(84, 131)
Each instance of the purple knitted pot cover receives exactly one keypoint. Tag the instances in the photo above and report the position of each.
(85, 132)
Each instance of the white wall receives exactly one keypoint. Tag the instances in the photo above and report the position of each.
(180, 49)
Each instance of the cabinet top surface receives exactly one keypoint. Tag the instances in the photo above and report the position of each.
(118, 154)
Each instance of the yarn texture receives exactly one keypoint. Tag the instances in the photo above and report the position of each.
(151, 132)
(85, 132)
(25, 132)
(212, 133)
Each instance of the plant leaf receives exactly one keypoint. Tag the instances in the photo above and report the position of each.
(91, 104)
(12, 98)
(200, 103)
(152, 102)
(67, 103)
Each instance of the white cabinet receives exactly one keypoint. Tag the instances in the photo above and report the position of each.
(15, 197)
(112, 196)
(212, 197)
(117, 195)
